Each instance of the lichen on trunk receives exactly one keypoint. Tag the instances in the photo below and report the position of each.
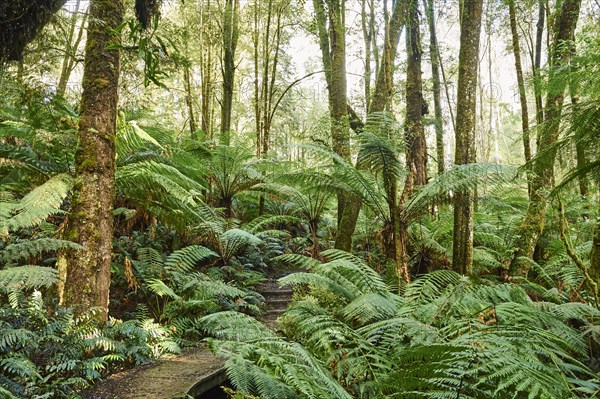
(90, 220)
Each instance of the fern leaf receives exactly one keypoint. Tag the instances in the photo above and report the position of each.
(27, 277)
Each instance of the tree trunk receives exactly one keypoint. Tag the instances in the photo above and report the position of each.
(366, 25)
(69, 59)
(190, 102)
(471, 13)
(522, 93)
(332, 42)
(91, 218)
(416, 146)
(543, 168)
(435, 77)
(595, 253)
(380, 101)
(230, 39)
(207, 71)
(537, 64)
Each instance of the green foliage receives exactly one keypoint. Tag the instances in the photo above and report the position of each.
(53, 354)
(444, 336)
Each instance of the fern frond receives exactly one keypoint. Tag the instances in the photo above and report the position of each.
(235, 240)
(27, 277)
(186, 259)
(28, 248)
(39, 203)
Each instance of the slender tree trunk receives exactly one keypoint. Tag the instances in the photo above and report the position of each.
(580, 152)
(384, 84)
(69, 59)
(470, 29)
(91, 218)
(332, 42)
(367, 39)
(380, 101)
(189, 95)
(340, 133)
(257, 85)
(435, 76)
(522, 93)
(595, 253)
(230, 39)
(207, 70)
(416, 146)
(543, 168)
(537, 64)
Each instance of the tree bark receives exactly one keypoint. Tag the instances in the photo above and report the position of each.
(595, 253)
(537, 64)
(416, 146)
(522, 93)
(230, 39)
(207, 70)
(543, 168)
(90, 221)
(471, 14)
(435, 77)
(190, 102)
(367, 28)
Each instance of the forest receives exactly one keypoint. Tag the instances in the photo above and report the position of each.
(423, 174)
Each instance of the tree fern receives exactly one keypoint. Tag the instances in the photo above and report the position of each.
(445, 336)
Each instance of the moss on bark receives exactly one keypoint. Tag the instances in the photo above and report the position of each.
(90, 223)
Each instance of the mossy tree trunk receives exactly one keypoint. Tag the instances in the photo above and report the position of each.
(437, 87)
(470, 29)
(90, 221)
(416, 146)
(543, 168)
(595, 253)
(230, 40)
(522, 93)
(332, 40)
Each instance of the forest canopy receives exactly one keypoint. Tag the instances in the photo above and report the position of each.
(422, 175)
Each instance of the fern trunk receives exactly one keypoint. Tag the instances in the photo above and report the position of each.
(90, 222)
(543, 168)
(471, 12)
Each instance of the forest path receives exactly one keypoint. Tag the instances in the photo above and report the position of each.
(194, 373)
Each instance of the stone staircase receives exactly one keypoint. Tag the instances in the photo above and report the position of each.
(196, 373)
(277, 300)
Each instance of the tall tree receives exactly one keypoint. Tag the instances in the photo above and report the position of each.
(90, 221)
(208, 71)
(72, 44)
(230, 40)
(330, 17)
(416, 146)
(522, 93)
(543, 167)
(267, 39)
(435, 77)
(380, 101)
(470, 29)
